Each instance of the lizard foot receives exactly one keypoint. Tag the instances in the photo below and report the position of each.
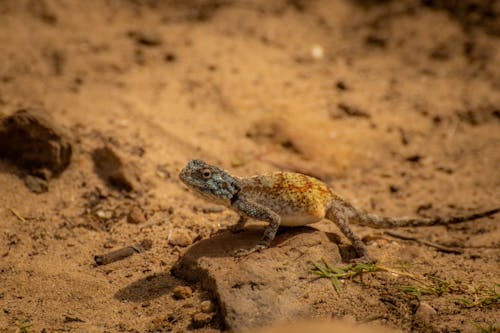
(245, 252)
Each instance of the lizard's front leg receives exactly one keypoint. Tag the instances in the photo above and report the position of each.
(256, 211)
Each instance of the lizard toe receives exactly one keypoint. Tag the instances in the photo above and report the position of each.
(245, 252)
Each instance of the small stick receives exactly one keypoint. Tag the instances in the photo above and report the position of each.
(16, 214)
(123, 253)
(424, 242)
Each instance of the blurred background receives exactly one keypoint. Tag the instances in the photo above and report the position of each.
(395, 104)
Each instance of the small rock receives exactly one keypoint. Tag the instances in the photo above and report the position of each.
(110, 167)
(136, 216)
(180, 237)
(414, 158)
(206, 306)
(182, 292)
(425, 312)
(35, 184)
(162, 171)
(170, 57)
(165, 323)
(103, 215)
(110, 243)
(30, 139)
(146, 39)
(341, 86)
(393, 188)
(201, 319)
(317, 52)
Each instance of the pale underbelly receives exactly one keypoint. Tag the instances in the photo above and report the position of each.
(298, 220)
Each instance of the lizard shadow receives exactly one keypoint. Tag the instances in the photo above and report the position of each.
(220, 245)
(346, 251)
(225, 242)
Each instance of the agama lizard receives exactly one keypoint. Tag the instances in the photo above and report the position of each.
(292, 199)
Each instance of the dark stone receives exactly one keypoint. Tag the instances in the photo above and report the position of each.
(31, 140)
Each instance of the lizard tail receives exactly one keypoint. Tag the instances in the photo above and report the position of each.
(375, 221)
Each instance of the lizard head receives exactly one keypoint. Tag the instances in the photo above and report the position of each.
(209, 181)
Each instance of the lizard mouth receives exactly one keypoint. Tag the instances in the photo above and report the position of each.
(184, 176)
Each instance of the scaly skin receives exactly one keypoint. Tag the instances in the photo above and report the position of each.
(292, 199)
(297, 198)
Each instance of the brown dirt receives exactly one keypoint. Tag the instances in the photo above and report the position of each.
(400, 113)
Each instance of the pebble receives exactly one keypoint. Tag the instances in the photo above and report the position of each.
(31, 139)
(182, 292)
(201, 319)
(180, 237)
(317, 52)
(104, 215)
(206, 306)
(136, 216)
(425, 312)
(36, 184)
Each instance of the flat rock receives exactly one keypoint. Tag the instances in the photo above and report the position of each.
(31, 139)
(270, 286)
(326, 326)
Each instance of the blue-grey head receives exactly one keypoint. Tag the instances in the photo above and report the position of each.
(211, 182)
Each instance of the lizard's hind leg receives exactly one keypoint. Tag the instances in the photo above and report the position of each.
(339, 214)
(240, 225)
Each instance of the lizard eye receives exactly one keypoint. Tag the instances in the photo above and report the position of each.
(206, 173)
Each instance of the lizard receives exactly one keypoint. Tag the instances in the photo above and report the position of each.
(293, 199)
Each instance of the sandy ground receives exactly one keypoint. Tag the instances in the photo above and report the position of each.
(395, 104)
